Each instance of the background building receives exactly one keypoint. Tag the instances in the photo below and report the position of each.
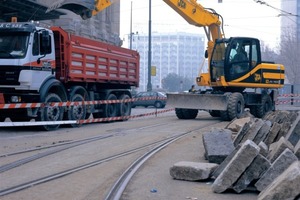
(105, 26)
(180, 53)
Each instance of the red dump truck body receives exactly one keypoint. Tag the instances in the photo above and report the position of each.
(80, 59)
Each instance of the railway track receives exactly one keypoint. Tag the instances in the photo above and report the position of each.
(147, 149)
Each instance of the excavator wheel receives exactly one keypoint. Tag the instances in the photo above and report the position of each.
(266, 106)
(224, 115)
(236, 105)
(182, 113)
(214, 113)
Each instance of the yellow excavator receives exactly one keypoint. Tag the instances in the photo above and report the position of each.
(237, 77)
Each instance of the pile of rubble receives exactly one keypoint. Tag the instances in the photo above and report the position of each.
(251, 153)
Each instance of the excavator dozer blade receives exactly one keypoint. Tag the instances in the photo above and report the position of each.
(84, 8)
(197, 101)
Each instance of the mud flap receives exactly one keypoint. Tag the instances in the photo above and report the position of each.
(197, 101)
(83, 8)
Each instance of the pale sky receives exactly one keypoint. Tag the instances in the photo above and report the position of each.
(241, 18)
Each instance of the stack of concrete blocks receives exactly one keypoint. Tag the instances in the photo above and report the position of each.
(263, 155)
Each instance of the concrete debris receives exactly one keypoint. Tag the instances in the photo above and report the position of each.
(285, 159)
(192, 171)
(285, 186)
(264, 150)
(297, 150)
(294, 133)
(217, 144)
(278, 147)
(265, 155)
(237, 124)
(259, 165)
(237, 165)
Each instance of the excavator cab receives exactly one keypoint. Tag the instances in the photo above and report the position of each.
(236, 63)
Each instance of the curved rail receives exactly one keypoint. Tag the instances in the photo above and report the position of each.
(117, 190)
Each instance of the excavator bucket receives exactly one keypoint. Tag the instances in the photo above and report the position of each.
(84, 8)
(197, 101)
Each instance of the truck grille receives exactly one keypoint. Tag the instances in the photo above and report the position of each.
(9, 75)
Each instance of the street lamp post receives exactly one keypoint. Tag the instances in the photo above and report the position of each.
(149, 85)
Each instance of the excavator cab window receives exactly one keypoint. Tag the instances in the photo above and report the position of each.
(241, 57)
(217, 60)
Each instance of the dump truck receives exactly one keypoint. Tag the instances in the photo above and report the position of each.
(50, 66)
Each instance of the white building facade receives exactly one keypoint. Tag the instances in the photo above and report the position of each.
(180, 53)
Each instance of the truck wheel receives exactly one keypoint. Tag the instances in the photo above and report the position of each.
(265, 107)
(236, 105)
(76, 112)
(124, 107)
(110, 110)
(51, 112)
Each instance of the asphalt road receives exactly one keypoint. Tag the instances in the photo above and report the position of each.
(152, 180)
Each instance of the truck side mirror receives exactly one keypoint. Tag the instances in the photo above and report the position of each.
(206, 54)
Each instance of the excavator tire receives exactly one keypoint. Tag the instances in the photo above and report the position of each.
(224, 115)
(182, 113)
(266, 106)
(214, 113)
(236, 105)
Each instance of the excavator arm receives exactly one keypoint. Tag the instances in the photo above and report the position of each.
(197, 15)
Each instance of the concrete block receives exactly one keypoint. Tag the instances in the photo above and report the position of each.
(263, 132)
(237, 124)
(264, 150)
(252, 132)
(192, 171)
(272, 133)
(278, 147)
(294, 133)
(297, 150)
(285, 186)
(242, 133)
(223, 165)
(237, 165)
(259, 165)
(217, 144)
(285, 159)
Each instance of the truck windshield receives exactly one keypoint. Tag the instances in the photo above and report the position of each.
(13, 44)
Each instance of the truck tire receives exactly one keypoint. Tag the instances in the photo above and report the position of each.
(236, 105)
(77, 112)
(182, 113)
(110, 110)
(51, 113)
(266, 106)
(124, 107)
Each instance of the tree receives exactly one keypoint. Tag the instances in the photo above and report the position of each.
(290, 55)
(174, 83)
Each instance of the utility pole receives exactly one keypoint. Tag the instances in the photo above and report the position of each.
(130, 44)
(149, 85)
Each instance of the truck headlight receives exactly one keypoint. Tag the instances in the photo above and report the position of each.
(15, 99)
